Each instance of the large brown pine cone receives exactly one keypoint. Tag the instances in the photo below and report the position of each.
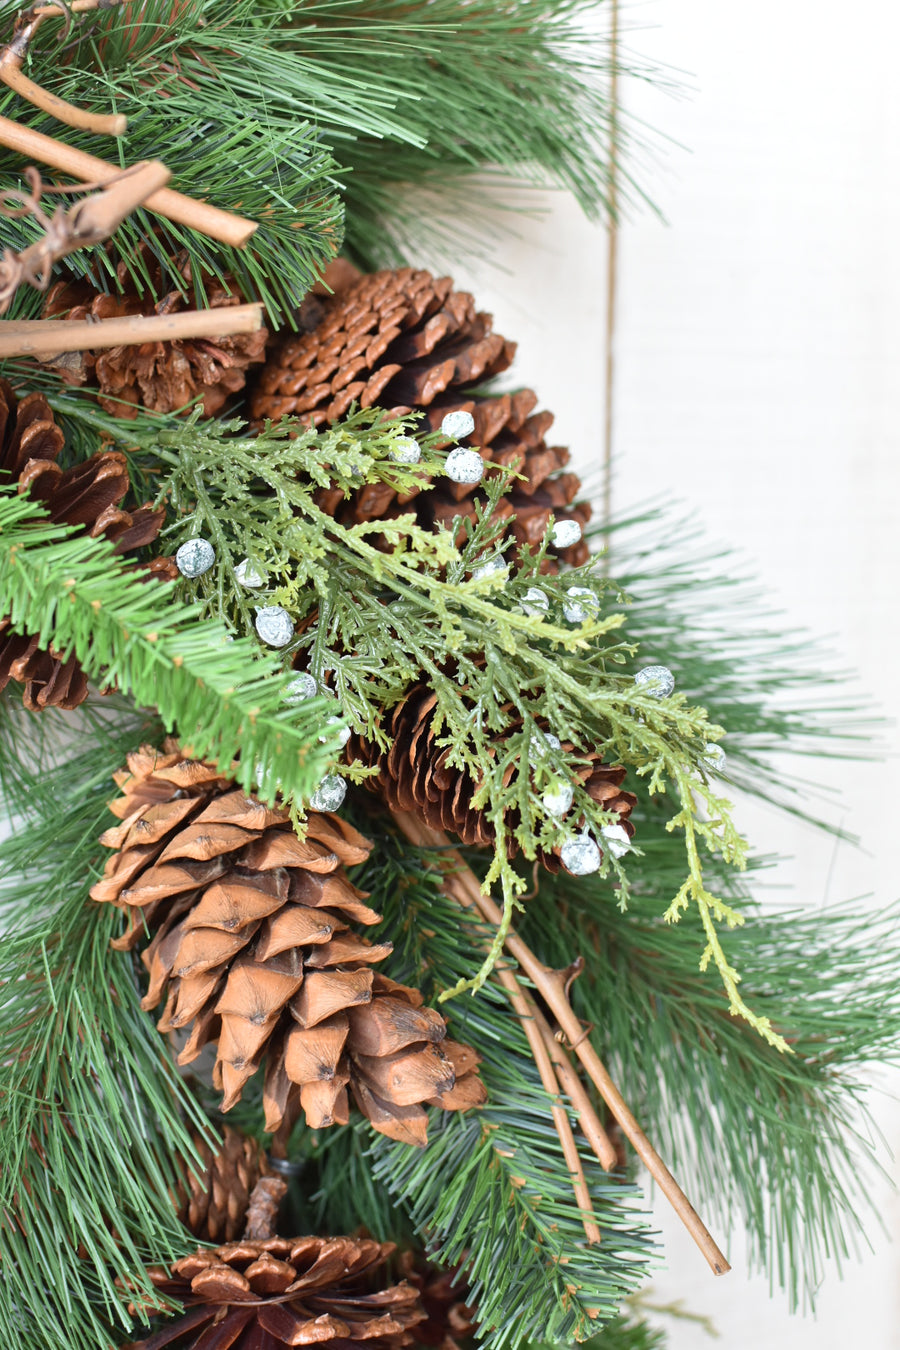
(253, 948)
(262, 1295)
(212, 1200)
(162, 376)
(89, 494)
(406, 341)
(414, 775)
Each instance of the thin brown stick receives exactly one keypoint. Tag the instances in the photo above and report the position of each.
(128, 331)
(209, 220)
(90, 221)
(463, 884)
(12, 74)
(524, 1009)
(573, 1087)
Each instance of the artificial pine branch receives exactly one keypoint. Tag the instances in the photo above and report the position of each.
(96, 1119)
(225, 696)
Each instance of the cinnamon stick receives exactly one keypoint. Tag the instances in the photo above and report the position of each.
(464, 886)
(209, 220)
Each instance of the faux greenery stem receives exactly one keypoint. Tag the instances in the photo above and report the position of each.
(462, 883)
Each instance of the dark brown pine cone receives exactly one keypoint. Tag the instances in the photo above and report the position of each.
(262, 1295)
(212, 1200)
(448, 1318)
(413, 775)
(405, 341)
(253, 948)
(161, 376)
(88, 494)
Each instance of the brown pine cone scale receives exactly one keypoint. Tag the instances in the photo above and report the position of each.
(253, 950)
(405, 341)
(262, 1295)
(212, 1200)
(161, 376)
(89, 495)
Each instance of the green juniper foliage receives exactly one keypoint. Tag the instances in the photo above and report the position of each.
(373, 623)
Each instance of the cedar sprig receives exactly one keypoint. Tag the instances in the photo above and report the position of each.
(500, 674)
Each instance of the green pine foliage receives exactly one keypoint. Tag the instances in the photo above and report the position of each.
(247, 103)
(94, 1113)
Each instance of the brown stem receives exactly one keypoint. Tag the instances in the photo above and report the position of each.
(209, 220)
(54, 337)
(262, 1212)
(573, 1087)
(524, 1009)
(11, 74)
(463, 885)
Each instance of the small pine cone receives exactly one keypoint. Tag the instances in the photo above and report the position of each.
(414, 775)
(448, 1318)
(405, 341)
(87, 494)
(161, 376)
(279, 1292)
(212, 1202)
(253, 948)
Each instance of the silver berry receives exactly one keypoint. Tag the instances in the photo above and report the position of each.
(542, 740)
(464, 466)
(616, 839)
(458, 424)
(496, 567)
(250, 574)
(343, 735)
(534, 602)
(406, 451)
(581, 856)
(566, 533)
(557, 801)
(580, 604)
(330, 793)
(714, 758)
(195, 557)
(657, 681)
(300, 689)
(274, 625)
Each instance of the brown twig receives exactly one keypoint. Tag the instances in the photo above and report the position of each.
(525, 1010)
(209, 220)
(53, 338)
(262, 1212)
(464, 886)
(12, 74)
(89, 221)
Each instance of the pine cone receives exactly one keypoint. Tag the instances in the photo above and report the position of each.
(448, 1318)
(405, 341)
(162, 376)
(261, 1295)
(213, 1201)
(414, 775)
(253, 949)
(88, 494)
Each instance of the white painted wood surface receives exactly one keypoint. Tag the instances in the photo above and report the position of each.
(757, 369)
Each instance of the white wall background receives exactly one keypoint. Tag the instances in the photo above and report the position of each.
(757, 376)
